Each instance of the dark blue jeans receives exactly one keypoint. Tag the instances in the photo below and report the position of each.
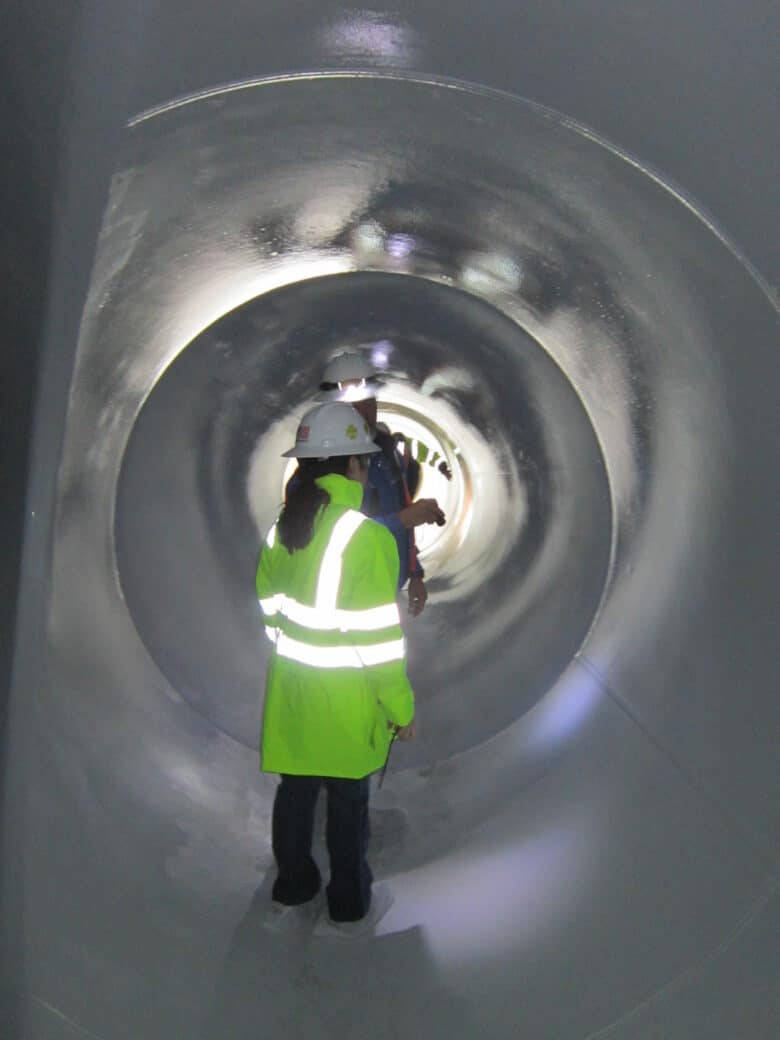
(347, 834)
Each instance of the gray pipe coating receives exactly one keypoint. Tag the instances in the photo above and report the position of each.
(583, 841)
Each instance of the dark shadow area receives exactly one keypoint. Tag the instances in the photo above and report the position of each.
(297, 985)
(34, 48)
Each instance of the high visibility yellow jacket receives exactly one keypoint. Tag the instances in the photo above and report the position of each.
(337, 672)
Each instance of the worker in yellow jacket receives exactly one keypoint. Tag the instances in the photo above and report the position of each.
(337, 689)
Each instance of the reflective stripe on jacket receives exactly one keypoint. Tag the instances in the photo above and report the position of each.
(337, 672)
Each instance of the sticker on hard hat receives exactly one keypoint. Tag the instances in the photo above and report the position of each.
(351, 432)
(303, 433)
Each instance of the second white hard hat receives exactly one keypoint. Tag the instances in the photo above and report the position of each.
(348, 377)
(331, 429)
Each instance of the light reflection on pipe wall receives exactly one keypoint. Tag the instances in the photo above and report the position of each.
(376, 36)
(490, 903)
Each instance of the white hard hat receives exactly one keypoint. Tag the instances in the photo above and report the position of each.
(348, 377)
(331, 429)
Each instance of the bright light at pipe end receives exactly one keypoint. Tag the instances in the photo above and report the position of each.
(485, 505)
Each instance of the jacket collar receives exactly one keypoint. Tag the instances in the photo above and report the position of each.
(342, 491)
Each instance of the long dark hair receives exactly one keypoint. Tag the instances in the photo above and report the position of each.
(305, 498)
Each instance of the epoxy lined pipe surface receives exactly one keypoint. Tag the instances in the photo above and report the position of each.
(585, 780)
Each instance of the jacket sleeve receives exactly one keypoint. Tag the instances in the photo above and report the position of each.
(266, 593)
(370, 584)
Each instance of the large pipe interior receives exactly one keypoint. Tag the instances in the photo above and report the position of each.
(583, 842)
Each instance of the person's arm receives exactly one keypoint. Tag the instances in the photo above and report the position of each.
(417, 570)
(416, 591)
(412, 476)
(409, 516)
(425, 511)
(417, 594)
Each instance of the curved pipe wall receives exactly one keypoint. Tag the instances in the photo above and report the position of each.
(584, 842)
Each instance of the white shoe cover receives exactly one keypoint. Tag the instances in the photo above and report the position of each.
(280, 918)
(381, 901)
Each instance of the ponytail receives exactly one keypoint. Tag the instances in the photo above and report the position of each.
(305, 499)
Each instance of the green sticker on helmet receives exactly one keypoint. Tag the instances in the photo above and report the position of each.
(351, 432)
